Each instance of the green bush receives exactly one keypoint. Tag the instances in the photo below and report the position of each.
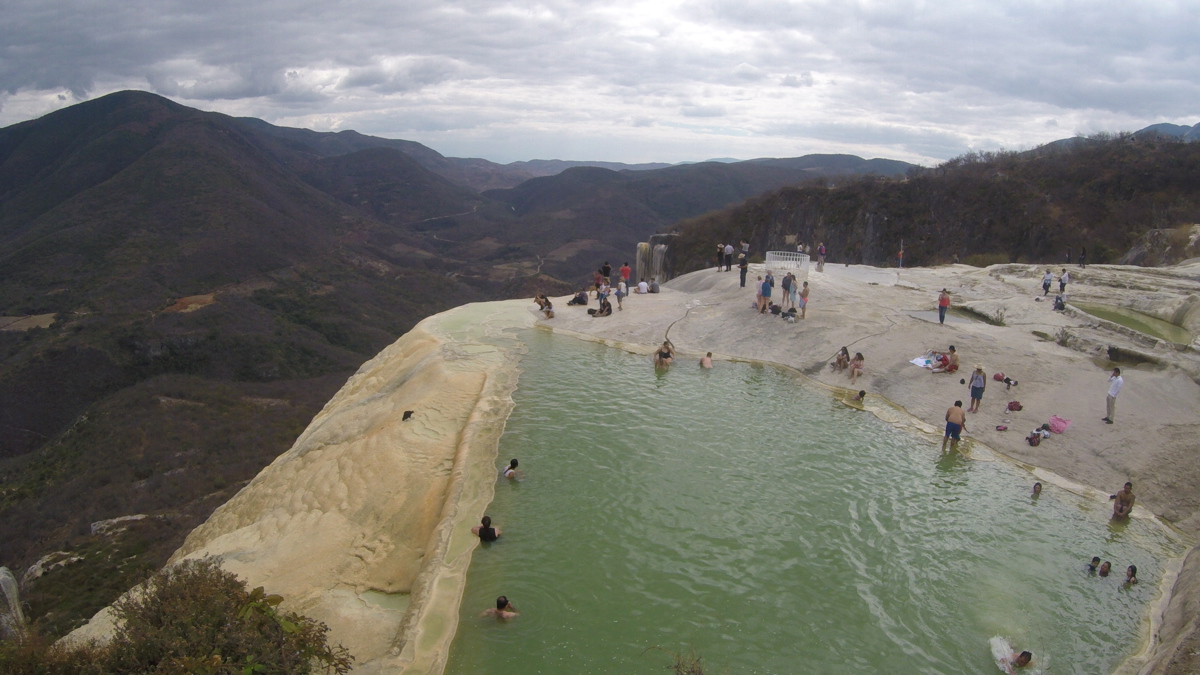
(190, 619)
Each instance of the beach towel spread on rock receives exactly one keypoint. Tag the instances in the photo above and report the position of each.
(923, 361)
(1058, 424)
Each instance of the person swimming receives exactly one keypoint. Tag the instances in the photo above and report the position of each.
(1037, 491)
(1104, 568)
(503, 610)
(510, 472)
(706, 361)
(1091, 567)
(1131, 574)
(485, 530)
(1020, 660)
(858, 398)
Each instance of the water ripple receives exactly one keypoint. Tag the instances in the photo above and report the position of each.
(776, 532)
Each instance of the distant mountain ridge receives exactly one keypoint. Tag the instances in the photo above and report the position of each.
(209, 281)
(1101, 193)
(213, 280)
(482, 175)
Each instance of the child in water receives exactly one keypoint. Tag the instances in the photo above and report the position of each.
(510, 472)
(1006, 658)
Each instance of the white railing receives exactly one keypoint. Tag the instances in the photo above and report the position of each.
(788, 260)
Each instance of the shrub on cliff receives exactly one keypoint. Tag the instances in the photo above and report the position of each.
(193, 618)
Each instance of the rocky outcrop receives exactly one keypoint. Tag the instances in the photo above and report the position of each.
(364, 523)
(1179, 650)
(1164, 247)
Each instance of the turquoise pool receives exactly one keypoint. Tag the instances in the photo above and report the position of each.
(742, 514)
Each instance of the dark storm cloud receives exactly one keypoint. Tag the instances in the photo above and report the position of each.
(771, 77)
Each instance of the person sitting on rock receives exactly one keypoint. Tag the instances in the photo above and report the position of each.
(947, 362)
(856, 367)
(841, 361)
(604, 310)
(581, 298)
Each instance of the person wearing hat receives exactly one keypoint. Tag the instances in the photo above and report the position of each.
(978, 384)
(744, 266)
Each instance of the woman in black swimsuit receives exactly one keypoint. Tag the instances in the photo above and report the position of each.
(662, 358)
(485, 531)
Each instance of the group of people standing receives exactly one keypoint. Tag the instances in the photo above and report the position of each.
(1048, 279)
(794, 295)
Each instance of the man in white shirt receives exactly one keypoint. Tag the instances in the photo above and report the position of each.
(643, 287)
(1115, 382)
(728, 257)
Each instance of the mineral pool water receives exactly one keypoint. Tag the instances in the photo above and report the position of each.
(746, 516)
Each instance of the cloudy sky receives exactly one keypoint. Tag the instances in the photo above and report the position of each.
(626, 80)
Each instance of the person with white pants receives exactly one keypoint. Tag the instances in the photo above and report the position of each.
(1115, 382)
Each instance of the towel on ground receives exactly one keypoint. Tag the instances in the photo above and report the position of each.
(1058, 424)
(922, 361)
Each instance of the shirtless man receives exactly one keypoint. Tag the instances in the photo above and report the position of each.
(706, 362)
(503, 610)
(1123, 502)
(956, 422)
(1018, 661)
(950, 364)
(804, 300)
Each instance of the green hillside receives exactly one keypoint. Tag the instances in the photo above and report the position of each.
(205, 283)
(1099, 193)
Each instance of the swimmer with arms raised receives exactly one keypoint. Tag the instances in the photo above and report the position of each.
(503, 610)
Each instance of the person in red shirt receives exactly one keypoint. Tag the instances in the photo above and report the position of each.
(943, 305)
(625, 272)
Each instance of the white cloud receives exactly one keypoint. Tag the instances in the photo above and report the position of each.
(628, 79)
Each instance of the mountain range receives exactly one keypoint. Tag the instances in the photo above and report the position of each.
(1100, 193)
(181, 291)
